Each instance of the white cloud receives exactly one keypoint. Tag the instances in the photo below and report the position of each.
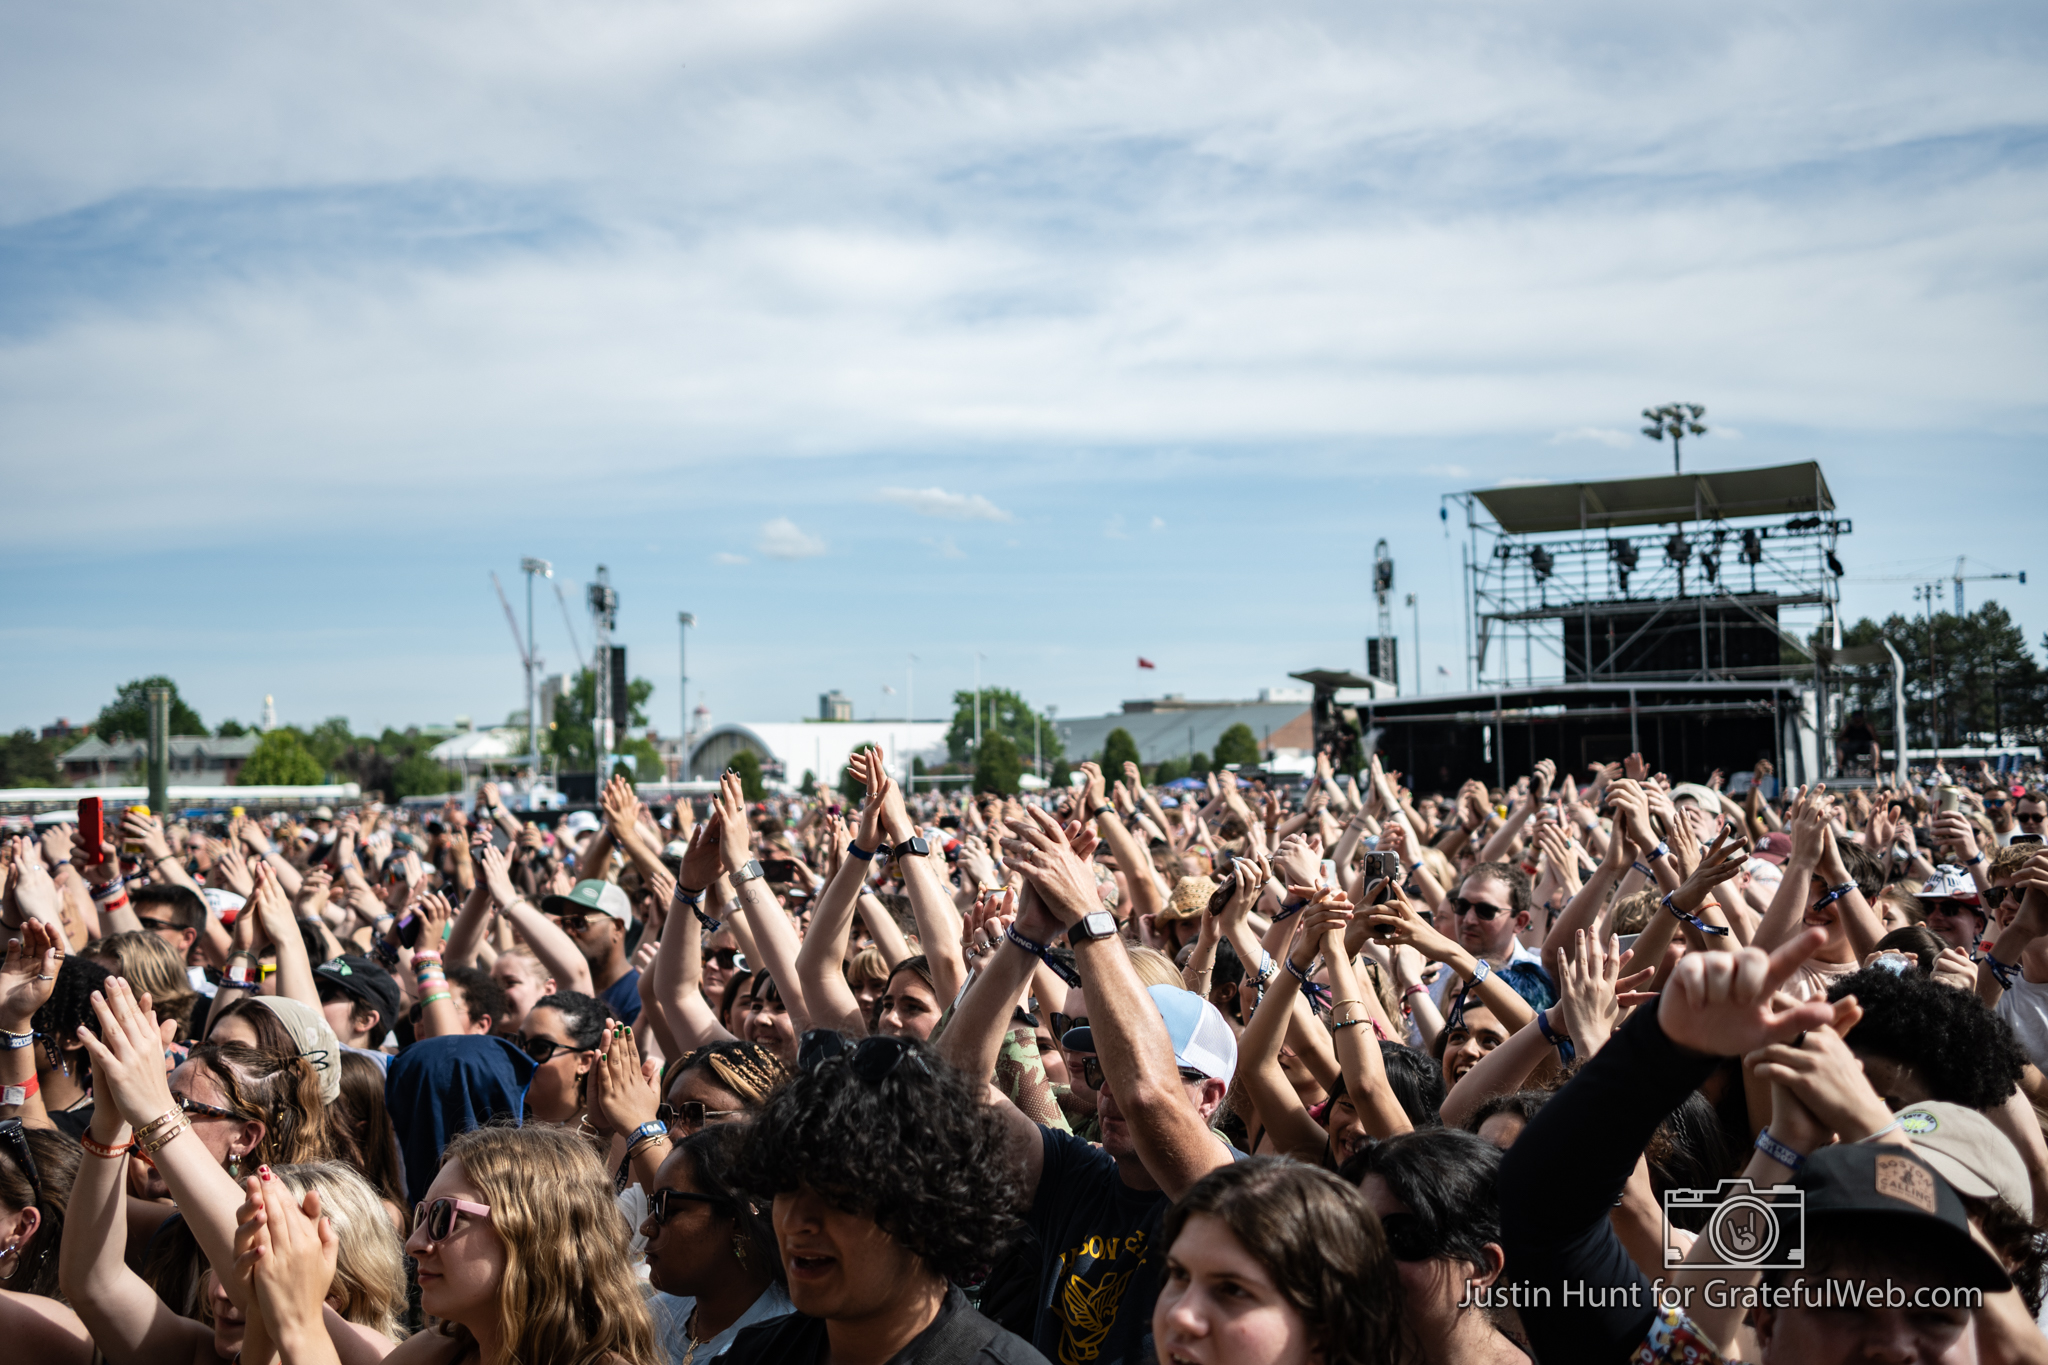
(937, 502)
(1606, 436)
(1725, 433)
(1159, 523)
(727, 557)
(782, 539)
(1114, 528)
(945, 547)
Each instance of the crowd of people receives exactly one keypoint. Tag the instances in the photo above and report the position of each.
(1596, 1067)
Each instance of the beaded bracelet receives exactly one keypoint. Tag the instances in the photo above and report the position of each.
(436, 996)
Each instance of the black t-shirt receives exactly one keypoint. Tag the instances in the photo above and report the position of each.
(957, 1336)
(1099, 1273)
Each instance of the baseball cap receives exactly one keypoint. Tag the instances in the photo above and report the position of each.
(607, 897)
(1201, 1040)
(1951, 883)
(1902, 1188)
(675, 850)
(1696, 792)
(1775, 847)
(322, 813)
(1969, 1152)
(581, 822)
(364, 979)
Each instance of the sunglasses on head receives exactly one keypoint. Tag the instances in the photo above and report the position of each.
(198, 1109)
(1406, 1238)
(439, 1217)
(662, 1205)
(15, 1139)
(543, 1049)
(873, 1059)
(691, 1115)
(1091, 1073)
(1485, 913)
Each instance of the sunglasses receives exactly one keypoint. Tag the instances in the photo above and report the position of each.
(2027, 819)
(1994, 896)
(15, 1140)
(543, 1049)
(1406, 1239)
(577, 924)
(1063, 1024)
(1091, 1073)
(691, 1115)
(439, 1217)
(663, 1204)
(1485, 913)
(873, 1059)
(728, 958)
(196, 1109)
(158, 925)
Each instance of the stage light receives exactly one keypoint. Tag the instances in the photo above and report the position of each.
(1540, 562)
(1752, 546)
(1678, 549)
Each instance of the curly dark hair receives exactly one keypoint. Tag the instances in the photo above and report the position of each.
(1446, 1177)
(1961, 1051)
(1318, 1239)
(919, 1151)
(1523, 1103)
(1417, 1082)
(1521, 892)
(69, 1005)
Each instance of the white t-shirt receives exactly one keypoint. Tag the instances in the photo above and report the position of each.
(2025, 1007)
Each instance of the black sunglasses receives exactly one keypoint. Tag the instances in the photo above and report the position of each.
(728, 958)
(543, 1049)
(873, 1059)
(1994, 896)
(157, 925)
(1485, 913)
(1091, 1073)
(691, 1115)
(663, 1204)
(15, 1138)
(1406, 1239)
(1063, 1024)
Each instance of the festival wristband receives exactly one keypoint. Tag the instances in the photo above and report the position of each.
(1779, 1152)
(1043, 954)
(1694, 920)
(18, 1094)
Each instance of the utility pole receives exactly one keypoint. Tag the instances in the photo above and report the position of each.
(531, 566)
(159, 750)
(1676, 420)
(604, 614)
(1929, 593)
(684, 620)
(1418, 643)
(977, 703)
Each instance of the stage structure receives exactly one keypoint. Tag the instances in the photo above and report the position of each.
(1671, 615)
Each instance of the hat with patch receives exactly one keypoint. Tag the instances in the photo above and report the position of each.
(362, 979)
(1970, 1152)
(1889, 1186)
(1201, 1040)
(1952, 883)
(1775, 847)
(607, 898)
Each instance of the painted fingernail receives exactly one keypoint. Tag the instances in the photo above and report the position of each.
(263, 1171)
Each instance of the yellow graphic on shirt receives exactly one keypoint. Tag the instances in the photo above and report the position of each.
(1088, 1298)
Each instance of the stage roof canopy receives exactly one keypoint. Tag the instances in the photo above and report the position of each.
(1783, 490)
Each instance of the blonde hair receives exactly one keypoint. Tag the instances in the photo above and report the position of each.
(868, 966)
(530, 965)
(1633, 912)
(149, 964)
(369, 1272)
(1154, 968)
(567, 1296)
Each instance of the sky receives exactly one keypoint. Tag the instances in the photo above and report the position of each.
(1040, 338)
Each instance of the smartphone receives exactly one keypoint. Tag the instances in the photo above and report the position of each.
(409, 929)
(1951, 800)
(92, 829)
(134, 845)
(2026, 838)
(1329, 874)
(1382, 871)
(949, 822)
(1898, 964)
(778, 871)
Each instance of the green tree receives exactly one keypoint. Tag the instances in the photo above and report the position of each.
(648, 766)
(997, 765)
(748, 766)
(1005, 713)
(1237, 746)
(418, 775)
(1198, 764)
(26, 761)
(128, 713)
(1968, 678)
(281, 760)
(1118, 750)
(328, 741)
(569, 737)
(1169, 770)
(851, 787)
(231, 729)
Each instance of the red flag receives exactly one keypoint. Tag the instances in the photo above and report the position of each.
(1144, 662)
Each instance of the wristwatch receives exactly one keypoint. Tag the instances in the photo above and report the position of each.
(913, 847)
(1096, 924)
(748, 871)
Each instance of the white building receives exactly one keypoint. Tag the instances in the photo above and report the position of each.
(788, 749)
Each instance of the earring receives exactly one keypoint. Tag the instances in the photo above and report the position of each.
(234, 1166)
(739, 1248)
(5, 1253)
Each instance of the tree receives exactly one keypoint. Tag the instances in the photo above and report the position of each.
(1118, 750)
(128, 713)
(418, 775)
(280, 760)
(1198, 764)
(1169, 770)
(1237, 747)
(569, 736)
(231, 729)
(328, 741)
(1003, 712)
(647, 764)
(26, 761)
(748, 766)
(1968, 679)
(997, 765)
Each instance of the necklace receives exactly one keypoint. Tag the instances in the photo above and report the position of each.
(690, 1331)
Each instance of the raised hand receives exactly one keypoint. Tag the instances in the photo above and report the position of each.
(1589, 986)
(1724, 859)
(1397, 920)
(1299, 861)
(497, 874)
(1049, 860)
(29, 974)
(622, 1094)
(434, 912)
(1727, 1004)
(30, 888)
(734, 833)
(1825, 1076)
(291, 1256)
(128, 1054)
(1546, 773)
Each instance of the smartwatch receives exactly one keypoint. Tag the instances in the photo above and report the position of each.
(913, 847)
(748, 871)
(1094, 925)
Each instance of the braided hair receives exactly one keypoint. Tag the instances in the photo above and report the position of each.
(749, 1070)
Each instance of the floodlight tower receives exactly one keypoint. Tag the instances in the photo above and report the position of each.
(1676, 420)
(604, 614)
(531, 566)
(1380, 665)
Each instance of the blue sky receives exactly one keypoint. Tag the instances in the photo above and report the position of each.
(869, 329)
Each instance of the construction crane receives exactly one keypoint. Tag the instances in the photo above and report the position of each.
(1962, 578)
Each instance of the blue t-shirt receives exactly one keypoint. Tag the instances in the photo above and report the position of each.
(622, 997)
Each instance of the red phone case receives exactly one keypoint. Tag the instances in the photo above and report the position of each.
(92, 829)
